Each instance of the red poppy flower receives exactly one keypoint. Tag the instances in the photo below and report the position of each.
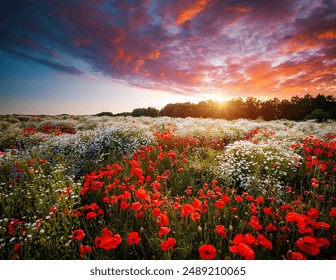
(265, 242)
(110, 242)
(322, 225)
(195, 216)
(106, 232)
(196, 204)
(308, 245)
(97, 241)
(84, 249)
(156, 212)
(141, 194)
(168, 244)
(133, 238)
(270, 227)
(254, 223)
(187, 209)
(207, 252)
(78, 234)
(245, 251)
(313, 213)
(295, 256)
(239, 238)
(90, 215)
(268, 211)
(259, 200)
(249, 239)
(292, 217)
(221, 231)
(253, 209)
(219, 204)
(225, 198)
(163, 231)
(163, 220)
(249, 197)
(332, 213)
(136, 206)
(17, 247)
(324, 242)
(140, 214)
(238, 198)
(124, 205)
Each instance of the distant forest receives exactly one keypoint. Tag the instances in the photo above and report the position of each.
(320, 108)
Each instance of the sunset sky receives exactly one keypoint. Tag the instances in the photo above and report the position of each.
(85, 57)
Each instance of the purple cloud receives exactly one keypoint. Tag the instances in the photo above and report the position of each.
(266, 48)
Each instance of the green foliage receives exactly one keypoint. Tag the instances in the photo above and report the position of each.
(273, 109)
(109, 114)
(149, 112)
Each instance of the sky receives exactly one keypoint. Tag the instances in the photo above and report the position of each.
(85, 57)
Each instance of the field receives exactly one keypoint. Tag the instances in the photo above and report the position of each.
(88, 187)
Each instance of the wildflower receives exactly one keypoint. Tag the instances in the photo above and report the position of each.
(133, 238)
(17, 247)
(84, 249)
(156, 212)
(106, 232)
(243, 250)
(324, 242)
(186, 210)
(207, 252)
(219, 204)
(249, 239)
(110, 242)
(163, 220)
(225, 198)
(78, 234)
(265, 242)
(313, 213)
(270, 227)
(295, 256)
(97, 241)
(196, 204)
(332, 213)
(141, 194)
(254, 223)
(238, 198)
(136, 206)
(253, 209)
(140, 214)
(220, 230)
(90, 215)
(268, 211)
(309, 245)
(163, 231)
(124, 205)
(195, 216)
(168, 244)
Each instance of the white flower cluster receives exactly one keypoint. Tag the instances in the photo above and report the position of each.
(258, 165)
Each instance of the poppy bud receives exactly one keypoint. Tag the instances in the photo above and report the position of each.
(199, 229)
(230, 228)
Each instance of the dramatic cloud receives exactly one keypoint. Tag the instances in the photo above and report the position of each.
(235, 48)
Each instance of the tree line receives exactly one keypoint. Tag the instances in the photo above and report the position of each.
(321, 107)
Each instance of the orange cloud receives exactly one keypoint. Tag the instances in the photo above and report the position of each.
(192, 11)
(327, 34)
(238, 9)
(299, 43)
(154, 55)
(138, 64)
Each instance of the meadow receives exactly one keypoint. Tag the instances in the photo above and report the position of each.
(89, 187)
